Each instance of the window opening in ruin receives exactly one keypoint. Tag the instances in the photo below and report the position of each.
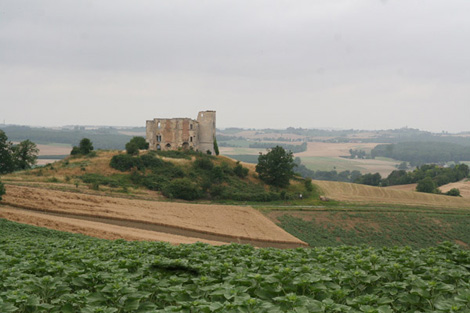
(190, 139)
(185, 146)
(159, 125)
(159, 138)
(190, 126)
(159, 147)
(168, 146)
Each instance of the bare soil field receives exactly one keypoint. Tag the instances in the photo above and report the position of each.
(363, 194)
(241, 224)
(54, 150)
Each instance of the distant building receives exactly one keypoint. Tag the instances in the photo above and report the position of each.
(182, 133)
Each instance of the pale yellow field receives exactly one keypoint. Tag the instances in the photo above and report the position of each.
(463, 186)
(235, 222)
(334, 149)
(362, 194)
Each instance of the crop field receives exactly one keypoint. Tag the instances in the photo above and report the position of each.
(362, 194)
(463, 186)
(323, 156)
(377, 227)
(214, 222)
(48, 271)
(103, 230)
(330, 163)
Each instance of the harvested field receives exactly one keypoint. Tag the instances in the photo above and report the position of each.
(99, 230)
(463, 186)
(363, 194)
(334, 149)
(229, 223)
(407, 187)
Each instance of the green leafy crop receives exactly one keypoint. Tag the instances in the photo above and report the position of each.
(49, 271)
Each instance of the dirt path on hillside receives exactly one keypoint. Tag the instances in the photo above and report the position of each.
(209, 222)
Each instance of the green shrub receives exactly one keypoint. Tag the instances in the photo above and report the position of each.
(53, 180)
(177, 154)
(454, 192)
(132, 148)
(139, 142)
(217, 174)
(149, 160)
(308, 185)
(203, 163)
(75, 151)
(2, 190)
(240, 171)
(124, 162)
(182, 188)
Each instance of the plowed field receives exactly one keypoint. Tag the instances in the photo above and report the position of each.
(213, 222)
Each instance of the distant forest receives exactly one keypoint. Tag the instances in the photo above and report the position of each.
(102, 138)
(418, 153)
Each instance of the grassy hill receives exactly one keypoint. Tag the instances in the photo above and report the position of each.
(171, 174)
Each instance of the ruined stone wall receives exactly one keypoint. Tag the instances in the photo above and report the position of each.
(182, 133)
(206, 120)
(172, 134)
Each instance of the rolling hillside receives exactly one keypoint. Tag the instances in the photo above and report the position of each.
(363, 194)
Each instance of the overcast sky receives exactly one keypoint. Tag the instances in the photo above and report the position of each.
(362, 64)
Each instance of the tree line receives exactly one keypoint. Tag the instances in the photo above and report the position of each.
(418, 153)
(15, 157)
(429, 177)
(103, 138)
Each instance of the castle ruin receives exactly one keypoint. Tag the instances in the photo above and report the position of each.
(182, 133)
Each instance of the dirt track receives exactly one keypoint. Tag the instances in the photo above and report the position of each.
(208, 222)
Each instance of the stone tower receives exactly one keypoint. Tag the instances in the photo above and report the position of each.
(206, 121)
(182, 133)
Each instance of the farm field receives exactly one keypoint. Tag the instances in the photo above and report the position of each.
(376, 227)
(463, 186)
(213, 222)
(326, 157)
(49, 271)
(326, 163)
(95, 229)
(51, 150)
(362, 194)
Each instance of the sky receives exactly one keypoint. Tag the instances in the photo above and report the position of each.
(345, 64)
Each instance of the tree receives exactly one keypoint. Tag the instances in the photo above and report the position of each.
(140, 142)
(86, 146)
(7, 164)
(132, 148)
(216, 147)
(2, 190)
(25, 154)
(276, 167)
(403, 166)
(427, 185)
(369, 179)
